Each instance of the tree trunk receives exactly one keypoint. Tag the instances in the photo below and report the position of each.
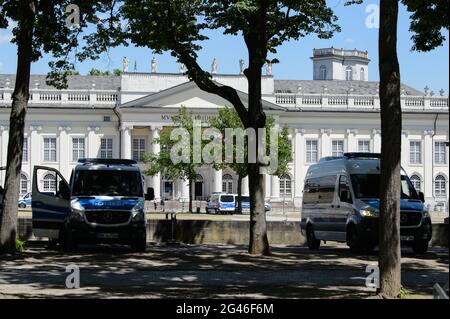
(259, 244)
(239, 192)
(190, 196)
(8, 217)
(391, 124)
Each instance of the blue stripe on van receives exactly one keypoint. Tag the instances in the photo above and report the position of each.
(404, 204)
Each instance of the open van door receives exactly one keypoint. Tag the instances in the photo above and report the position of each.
(50, 201)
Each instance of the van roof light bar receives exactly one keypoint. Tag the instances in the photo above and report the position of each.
(362, 155)
(107, 161)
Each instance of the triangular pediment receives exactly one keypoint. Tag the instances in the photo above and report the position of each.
(189, 95)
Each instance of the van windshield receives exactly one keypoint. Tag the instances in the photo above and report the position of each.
(368, 186)
(243, 198)
(107, 183)
(227, 198)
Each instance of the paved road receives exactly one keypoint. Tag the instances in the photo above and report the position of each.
(208, 271)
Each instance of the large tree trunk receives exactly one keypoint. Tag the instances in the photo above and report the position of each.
(8, 217)
(391, 125)
(259, 244)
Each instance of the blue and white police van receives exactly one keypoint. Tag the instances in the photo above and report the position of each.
(102, 203)
(341, 200)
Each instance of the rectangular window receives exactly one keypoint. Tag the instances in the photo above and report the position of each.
(337, 148)
(440, 155)
(106, 148)
(312, 151)
(415, 152)
(49, 149)
(364, 146)
(138, 149)
(78, 148)
(25, 149)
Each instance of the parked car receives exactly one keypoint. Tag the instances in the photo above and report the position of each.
(24, 200)
(341, 203)
(221, 203)
(245, 204)
(104, 202)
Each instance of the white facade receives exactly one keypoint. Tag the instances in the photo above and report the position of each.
(102, 120)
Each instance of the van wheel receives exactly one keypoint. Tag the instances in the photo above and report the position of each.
(420, 247)
(313, 243)
(140, 245)
(21, 205)
(353, 241)
(66, 243)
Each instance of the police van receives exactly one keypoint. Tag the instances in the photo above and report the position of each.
(103, 202)
(341, 203)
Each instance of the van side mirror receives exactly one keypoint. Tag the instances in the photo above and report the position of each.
(150, 195)
(422, 197)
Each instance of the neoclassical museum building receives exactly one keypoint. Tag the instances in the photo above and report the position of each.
(336, 112)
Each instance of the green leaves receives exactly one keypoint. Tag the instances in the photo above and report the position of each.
(428, 19)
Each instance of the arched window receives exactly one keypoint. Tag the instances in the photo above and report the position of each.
(362, 74)
(417, 183)
(322, 72)
(49, 183)
(227, 183)
(440, 187)
(23, 184)
(285, 186)
(349, 73)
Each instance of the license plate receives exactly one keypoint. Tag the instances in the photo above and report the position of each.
(107, 235)
(246, 210)
(406, 238)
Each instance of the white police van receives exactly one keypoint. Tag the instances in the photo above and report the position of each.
(102, 203)
(341, 203)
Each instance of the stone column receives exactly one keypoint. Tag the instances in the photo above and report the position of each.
(376, 138)
(267, 183)
(184, 187)
(299, 158)
(352, 144)
(64, 147)
(126, 141)
(427, 157)
(217, 180)
(92, 150)
(275, 188)
(4, 131)
(245, 189)
(156, 148)
(404, 149)
(325, 145)
(34, 145)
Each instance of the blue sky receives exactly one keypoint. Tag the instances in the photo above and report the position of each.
(417, 69)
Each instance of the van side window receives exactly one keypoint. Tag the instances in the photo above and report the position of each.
(310, 192)
(319, 190)
(326, 189)
(344, 190)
